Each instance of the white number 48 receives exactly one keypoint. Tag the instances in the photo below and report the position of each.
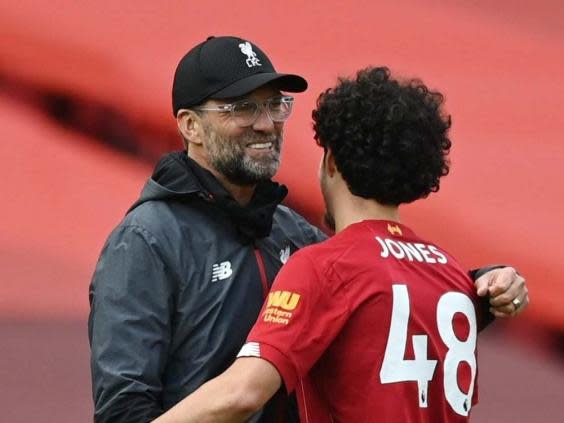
(396, 369)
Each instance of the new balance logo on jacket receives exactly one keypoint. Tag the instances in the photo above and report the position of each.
(221, 271)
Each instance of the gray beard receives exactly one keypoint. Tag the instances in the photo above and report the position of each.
(227, 155)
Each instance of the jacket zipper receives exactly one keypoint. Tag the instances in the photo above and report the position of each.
(262, 272)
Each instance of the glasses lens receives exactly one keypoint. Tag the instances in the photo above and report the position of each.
(245, 112)
(280, 108)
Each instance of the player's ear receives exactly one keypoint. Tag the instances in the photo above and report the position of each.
(329, 162)
(189, 125)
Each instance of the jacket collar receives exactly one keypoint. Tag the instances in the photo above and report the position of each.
(176, 176)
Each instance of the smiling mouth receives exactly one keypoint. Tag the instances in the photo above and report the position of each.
(261, 145)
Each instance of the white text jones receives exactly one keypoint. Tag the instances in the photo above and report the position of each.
(411, 251)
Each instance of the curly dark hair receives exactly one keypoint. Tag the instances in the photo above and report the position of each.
(389, 138)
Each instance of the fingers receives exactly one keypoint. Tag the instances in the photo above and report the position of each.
(509, 295)
(524, 303)
(503, 291)
(502, 280)
(482, 285)
(500, 314)
(510, 310)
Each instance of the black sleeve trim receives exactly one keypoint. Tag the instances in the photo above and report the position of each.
(477, 273)
(485, 301)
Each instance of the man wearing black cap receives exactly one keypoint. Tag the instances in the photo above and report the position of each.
(182, 278)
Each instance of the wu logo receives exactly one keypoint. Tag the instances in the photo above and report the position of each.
(283, 299)
(221, 271)
(285, 254)
(247, 49)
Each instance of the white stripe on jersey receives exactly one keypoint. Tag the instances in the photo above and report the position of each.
(250, 349)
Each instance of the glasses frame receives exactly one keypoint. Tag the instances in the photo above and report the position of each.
(264, 105)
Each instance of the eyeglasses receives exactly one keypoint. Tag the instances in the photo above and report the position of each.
(246, 112)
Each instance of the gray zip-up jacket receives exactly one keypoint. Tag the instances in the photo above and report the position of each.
(178, 286)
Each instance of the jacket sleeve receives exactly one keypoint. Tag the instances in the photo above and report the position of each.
(129, 327)
(477, 273)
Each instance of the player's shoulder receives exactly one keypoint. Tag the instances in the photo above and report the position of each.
(311, 267)
(325, 253)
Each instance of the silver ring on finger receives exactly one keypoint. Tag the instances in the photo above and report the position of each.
(516, 303)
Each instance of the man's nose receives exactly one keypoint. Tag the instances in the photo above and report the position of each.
(263, 123)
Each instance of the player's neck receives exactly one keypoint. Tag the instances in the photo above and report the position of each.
(356, 209)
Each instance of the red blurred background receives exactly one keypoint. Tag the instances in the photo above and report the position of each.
(85, 112)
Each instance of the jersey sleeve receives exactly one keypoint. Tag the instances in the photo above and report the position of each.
(305, 310)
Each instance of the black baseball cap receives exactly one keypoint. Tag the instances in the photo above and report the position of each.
(224, 67)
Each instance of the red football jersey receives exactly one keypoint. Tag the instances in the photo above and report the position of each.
(371, 325)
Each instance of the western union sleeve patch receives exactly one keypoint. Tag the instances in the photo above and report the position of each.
(280, 306)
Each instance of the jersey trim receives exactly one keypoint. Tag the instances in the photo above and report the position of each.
(271, 354)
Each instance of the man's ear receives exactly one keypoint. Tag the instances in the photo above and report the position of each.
(189, 125)
(329, 163)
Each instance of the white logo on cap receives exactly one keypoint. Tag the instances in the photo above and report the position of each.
(247, 49)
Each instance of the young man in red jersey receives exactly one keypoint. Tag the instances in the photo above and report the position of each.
(374, 324)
